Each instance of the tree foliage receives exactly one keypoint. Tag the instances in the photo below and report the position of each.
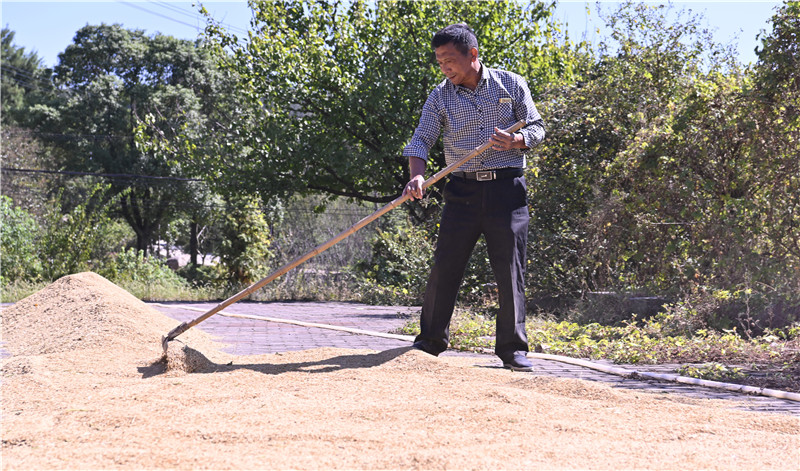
(78, 238)
(332, 91)
(668, 168)
(18, 231)
(576, 200)
(68, 240)
(671, 171)
(244, 248)
(110, 79)
(24, 79)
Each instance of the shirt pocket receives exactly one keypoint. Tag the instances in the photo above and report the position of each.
(504, 110)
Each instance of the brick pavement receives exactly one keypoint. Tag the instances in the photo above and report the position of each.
(255, 337)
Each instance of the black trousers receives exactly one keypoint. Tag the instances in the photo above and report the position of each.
(498, 209)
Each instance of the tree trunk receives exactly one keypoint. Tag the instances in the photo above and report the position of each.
(144, 225)
(193, 243)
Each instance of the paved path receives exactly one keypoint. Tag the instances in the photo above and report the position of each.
(255, 337)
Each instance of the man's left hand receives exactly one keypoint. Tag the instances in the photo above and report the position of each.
(502, 140)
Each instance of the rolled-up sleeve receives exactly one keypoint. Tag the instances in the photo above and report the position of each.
(428, 130)
(524, 108)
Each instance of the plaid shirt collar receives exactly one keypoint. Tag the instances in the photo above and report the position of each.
(484, 72)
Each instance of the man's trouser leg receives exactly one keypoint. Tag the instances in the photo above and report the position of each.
(506, 232)
(459, 229)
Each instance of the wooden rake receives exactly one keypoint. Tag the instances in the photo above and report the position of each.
(183, 327)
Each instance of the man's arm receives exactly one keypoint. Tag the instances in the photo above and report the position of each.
(533, 133)
(416, 167)
(425, 136)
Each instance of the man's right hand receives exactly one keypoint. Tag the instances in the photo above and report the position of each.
(414, 188)
(416, 168)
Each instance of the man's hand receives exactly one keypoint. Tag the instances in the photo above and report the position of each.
(414, 188)
(416, 168)
(502, 140)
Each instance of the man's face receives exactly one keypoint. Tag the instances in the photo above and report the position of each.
(457, 67)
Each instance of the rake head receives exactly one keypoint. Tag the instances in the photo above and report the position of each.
(172, 334)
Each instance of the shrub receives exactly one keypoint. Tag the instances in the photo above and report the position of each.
(244, 249)
(753, 312)
(146, 277)
(712, 372)
(132, 265)
(399, 265)
(78, 239)
(18, 244)
(19, 289)
(401, 260)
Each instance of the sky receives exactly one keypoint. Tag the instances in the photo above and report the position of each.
(48, 27)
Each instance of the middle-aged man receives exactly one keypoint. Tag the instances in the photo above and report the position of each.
(486, 195)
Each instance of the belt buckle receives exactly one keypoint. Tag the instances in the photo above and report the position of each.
(484, 176)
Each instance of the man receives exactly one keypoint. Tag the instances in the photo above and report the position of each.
(485, 196)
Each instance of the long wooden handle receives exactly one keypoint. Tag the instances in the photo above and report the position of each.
(325, 246)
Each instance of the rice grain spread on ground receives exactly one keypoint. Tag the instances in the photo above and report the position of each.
(86, 386)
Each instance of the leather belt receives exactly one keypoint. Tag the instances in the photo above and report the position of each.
(488, 175)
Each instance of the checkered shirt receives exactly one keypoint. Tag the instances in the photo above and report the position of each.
(469, 117)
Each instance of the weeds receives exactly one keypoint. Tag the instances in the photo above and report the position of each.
(19, 289)
(468, 330)
(712, 372)
(651, 341)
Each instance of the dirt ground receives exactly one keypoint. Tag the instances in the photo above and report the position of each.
(86, 387)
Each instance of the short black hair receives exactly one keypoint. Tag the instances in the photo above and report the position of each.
(461, 35)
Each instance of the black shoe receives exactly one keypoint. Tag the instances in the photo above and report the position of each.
(426, 347)
(518, 362)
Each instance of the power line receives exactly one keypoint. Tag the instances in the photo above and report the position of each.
(193, 14)
(55, 134)
(178, 10)
(107, 175)
(162, 16)
(23, 77)
(293, 208)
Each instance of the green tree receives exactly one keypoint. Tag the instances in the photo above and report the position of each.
(18, 231)
(81, 237)
(775, 96)
(244, 248)
(21, 150)
(676, 172)
(587, 233)
(720, 171)
(111, 79)
(331, 91)
(24, 80)
(779, 58)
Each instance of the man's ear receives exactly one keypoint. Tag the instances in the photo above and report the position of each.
(473, 52)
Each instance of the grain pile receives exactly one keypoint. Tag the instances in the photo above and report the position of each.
(86, 388)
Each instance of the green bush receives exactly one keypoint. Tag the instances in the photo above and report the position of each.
(18, 244)
(401, 261)
(752, 312)
(681, 183)
(78, 239)
(479, 285)
(712, 372)
(468, 330)
(132, 265)
(399, 265)
(148, 278)
(244, 249)
(202, 275)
